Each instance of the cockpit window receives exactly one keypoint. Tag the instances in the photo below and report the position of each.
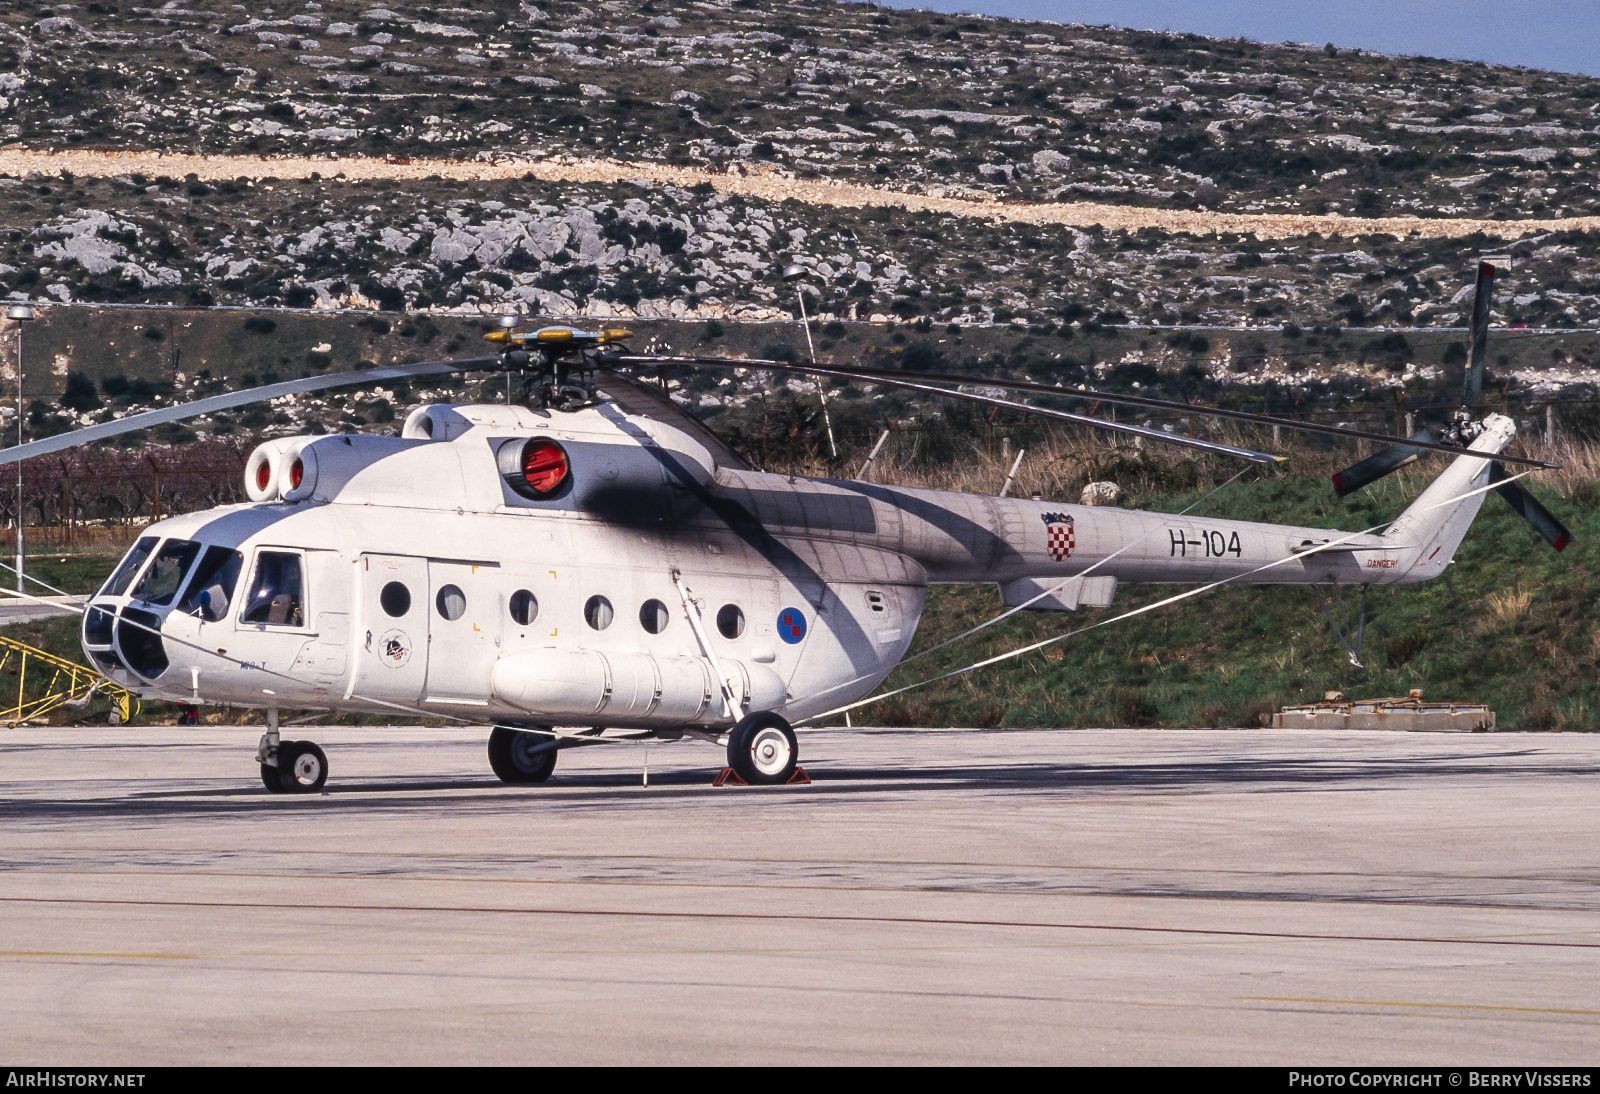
(129, 569)
(161, 581)
(277, 596)
(211, 590)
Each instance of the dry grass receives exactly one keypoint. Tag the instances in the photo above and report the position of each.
(1510, 605)
(1580, 469)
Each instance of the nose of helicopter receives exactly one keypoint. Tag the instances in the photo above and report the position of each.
(124, 638)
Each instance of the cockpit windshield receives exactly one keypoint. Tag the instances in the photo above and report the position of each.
(211, 590)
(129, 568)
(161, 581)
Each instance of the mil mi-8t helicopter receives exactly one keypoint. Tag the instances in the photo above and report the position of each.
(593, 556)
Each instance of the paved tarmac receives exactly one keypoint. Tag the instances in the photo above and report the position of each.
(1114, 896)
(17, 610)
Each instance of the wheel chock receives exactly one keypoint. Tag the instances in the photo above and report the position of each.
(728, 777)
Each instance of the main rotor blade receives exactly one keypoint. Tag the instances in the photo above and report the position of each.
(987, 400)
(232, 399)
(887, 376)
(1375, 467)
(1472, 385)
(1528, 508)
(641, 397)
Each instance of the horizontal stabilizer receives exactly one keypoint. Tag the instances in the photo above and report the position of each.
(1066, 594)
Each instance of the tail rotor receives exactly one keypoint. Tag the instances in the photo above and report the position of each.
(1463, 428)
(1526, 506)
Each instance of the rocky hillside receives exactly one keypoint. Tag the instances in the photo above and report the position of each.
(911, 103)
(919, 100)
(634, 248)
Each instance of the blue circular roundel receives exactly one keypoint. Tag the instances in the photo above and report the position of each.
(791, 625)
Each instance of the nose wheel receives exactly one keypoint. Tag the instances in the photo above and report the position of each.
(762, 749)
(302, 768)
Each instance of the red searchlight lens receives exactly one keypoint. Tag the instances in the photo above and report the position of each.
(297, 471)
(263, 474)
(544, 466)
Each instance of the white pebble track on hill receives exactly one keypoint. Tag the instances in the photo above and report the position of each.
(19, 162)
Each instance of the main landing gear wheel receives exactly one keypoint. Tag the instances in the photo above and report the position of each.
(302, 768)
(762, 749)
(521, 757)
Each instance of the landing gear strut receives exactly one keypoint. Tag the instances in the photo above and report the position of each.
(518, 756)
(762, 749)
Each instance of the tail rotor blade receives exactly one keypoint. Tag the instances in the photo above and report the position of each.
(1528, 508)
(1473, 385)
(1373, 468)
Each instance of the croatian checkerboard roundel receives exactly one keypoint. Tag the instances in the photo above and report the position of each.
(1059, 535)
(791, 625)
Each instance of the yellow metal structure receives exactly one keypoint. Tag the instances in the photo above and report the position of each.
(69, 684)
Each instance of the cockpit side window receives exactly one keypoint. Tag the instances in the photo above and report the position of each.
(161, 581)
(215, 579)
(277, 596)
(124, 574)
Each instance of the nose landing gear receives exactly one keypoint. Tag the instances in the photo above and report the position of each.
(302, 768)
(290, 767)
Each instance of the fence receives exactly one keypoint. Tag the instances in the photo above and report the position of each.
(101, 497)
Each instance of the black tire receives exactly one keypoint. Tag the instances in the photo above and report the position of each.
(762, 749)
(269, 778)
(517, 756)
(302, 767)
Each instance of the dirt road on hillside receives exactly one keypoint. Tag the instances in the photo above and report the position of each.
(17, 162)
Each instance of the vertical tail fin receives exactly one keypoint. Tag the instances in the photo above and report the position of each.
(1434, 522)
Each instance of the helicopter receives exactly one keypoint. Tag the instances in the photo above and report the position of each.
(588, 554)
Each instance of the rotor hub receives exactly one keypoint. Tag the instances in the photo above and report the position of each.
(556, 362)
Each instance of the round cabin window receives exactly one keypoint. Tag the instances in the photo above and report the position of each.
(597, 613)
(653, 616)
(395, 599)
(524, 608)
(451, 602)
(730, 621)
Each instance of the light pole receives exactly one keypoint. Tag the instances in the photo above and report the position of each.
(795, 274)
(20, 314)
(508, 323)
